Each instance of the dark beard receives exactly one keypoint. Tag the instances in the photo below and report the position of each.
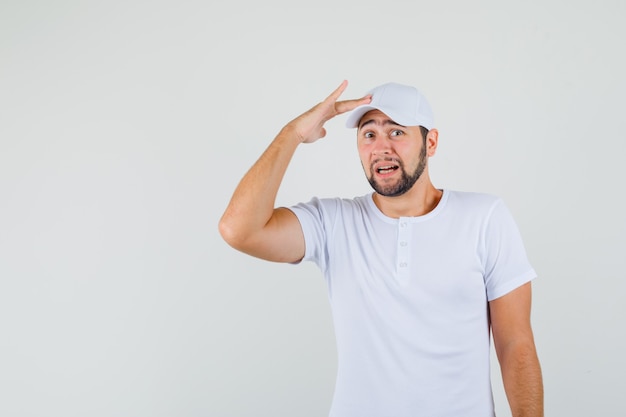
(406, 181)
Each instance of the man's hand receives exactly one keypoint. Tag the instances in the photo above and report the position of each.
(309, 126)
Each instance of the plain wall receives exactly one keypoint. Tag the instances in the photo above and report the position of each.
(125, 126)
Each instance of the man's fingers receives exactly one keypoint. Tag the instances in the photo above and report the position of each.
(347, 105)
(310, 125)
(338, 91)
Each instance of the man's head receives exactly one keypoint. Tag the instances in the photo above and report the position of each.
(395, 137)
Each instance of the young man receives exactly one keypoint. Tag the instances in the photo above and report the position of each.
(417, 276)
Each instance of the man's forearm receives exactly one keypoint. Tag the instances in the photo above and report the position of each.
(251, 223)
(523, 383)
(252, 203)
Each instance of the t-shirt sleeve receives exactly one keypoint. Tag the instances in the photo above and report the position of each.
(311, 216)
(505, 261)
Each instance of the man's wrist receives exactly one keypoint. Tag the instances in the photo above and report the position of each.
(290, 133)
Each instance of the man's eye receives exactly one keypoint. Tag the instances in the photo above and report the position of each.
(396, 132)
(368, 135)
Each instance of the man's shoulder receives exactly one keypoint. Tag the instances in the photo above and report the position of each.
(471, 199)
(336, 205)
(345, 202)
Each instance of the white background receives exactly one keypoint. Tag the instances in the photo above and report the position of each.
(125, 126)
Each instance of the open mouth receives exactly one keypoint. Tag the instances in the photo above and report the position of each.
(386, 169)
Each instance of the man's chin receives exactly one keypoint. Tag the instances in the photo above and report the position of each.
(388, 191)
(392, 194)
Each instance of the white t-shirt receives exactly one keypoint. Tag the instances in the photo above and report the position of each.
(409, 301)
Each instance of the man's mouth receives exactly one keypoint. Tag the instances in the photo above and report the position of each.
(386, 169)
(385, 166)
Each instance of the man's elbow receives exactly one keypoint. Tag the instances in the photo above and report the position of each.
(518, 353)
(279, 241)
(231, 234)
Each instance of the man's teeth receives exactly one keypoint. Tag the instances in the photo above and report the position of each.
(386, 169)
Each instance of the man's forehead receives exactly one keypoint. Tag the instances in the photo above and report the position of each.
(377, 117)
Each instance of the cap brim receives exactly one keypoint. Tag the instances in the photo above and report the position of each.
(357, 114)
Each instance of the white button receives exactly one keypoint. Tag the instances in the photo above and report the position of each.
(402, 243)
(403, 224)
(402, 264)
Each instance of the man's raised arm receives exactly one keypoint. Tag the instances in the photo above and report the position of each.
(251, 223)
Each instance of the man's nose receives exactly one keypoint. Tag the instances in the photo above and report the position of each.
(382, 147)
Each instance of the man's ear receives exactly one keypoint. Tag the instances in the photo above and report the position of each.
(432, 140)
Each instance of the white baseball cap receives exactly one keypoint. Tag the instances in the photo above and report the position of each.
(404, 104)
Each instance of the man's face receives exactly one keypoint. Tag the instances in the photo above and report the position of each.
(393, 156)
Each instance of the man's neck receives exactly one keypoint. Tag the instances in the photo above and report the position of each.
(418, 201)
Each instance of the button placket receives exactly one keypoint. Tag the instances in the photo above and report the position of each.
(402, 260)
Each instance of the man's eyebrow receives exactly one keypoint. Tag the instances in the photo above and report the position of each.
(384, 122)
